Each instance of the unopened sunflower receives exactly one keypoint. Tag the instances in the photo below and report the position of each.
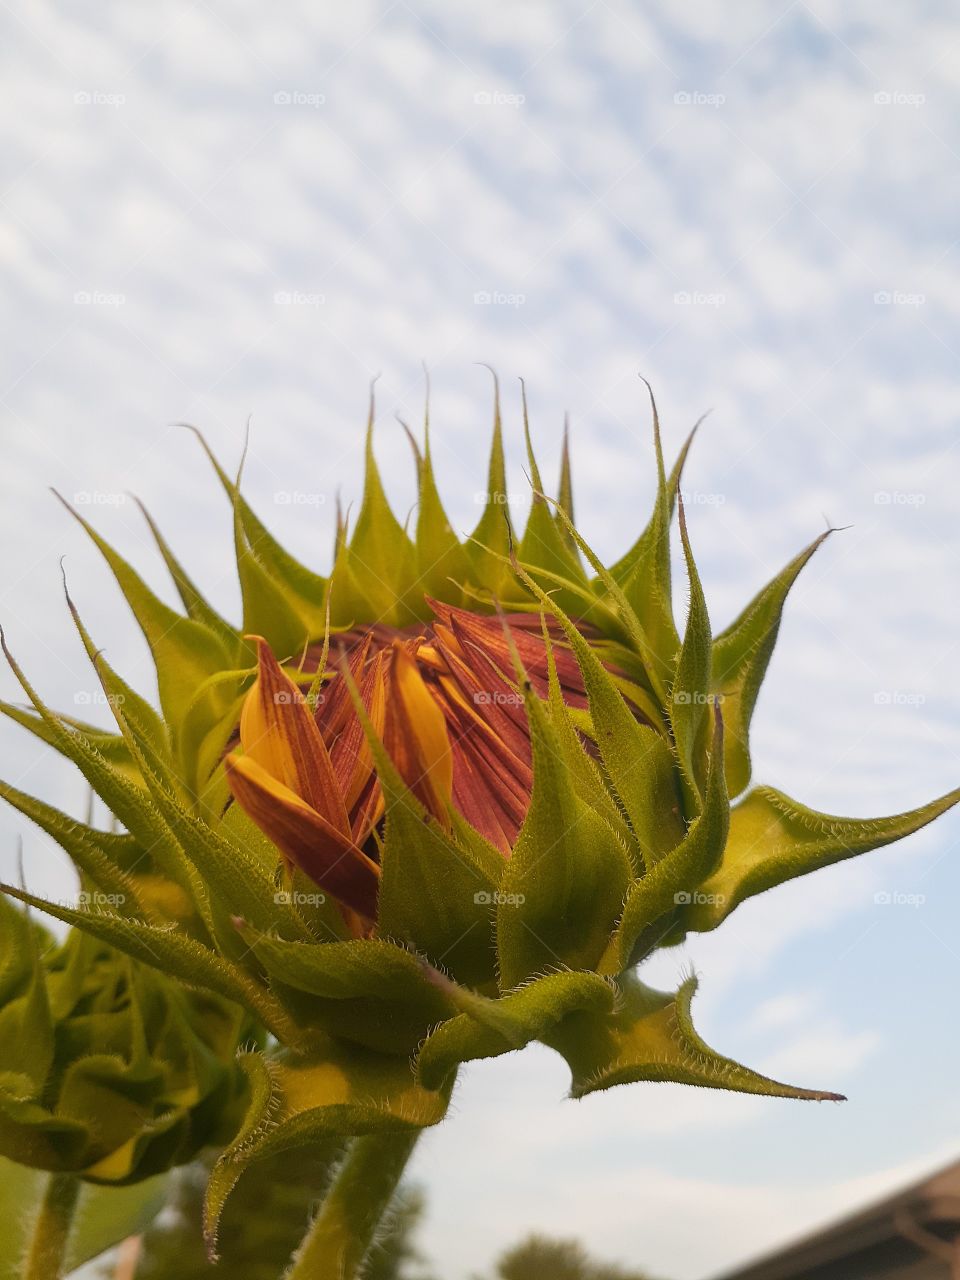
(432, 807)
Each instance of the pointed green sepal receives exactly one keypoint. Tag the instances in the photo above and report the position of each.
(487, 1028)
(564, 885)
(741, 655)
(774, 839)
(650, 1037)
(298, 1103)
(656, 903)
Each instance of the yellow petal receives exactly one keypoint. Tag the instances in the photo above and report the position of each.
(416, 736)
(305, 837)
(278, 731)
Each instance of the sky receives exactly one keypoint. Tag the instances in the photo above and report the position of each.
(219, 213)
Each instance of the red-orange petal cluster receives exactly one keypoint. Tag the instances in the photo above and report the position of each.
(444, 700)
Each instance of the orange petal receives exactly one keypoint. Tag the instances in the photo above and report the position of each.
(304, 836)
(416, 736)
(279, 733)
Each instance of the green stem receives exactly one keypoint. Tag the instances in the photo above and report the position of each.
(47, 1255)
(343, 1230)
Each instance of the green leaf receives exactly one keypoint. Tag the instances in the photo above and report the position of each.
(644, 572)
(110, 746)
(107, 1215)
(237, 877)
(584, 773)
(26, 1025)
(375, 573)
(128, 802)
(118, 692)
(690, 692)
(491, 539)
(367, 991)
(90, 850)
(565, 491)
(741, 655)
(195, 603)
(174, 953)
(637, 758)
(619, 610)
(488, 1028)
(298, 1103)
(435, 891)
(185, 652)
(773, 839)
(21, 1194)
(650, 1036)
(655, 904)
(261, 557)
(543, 546)
(442, 563)
(564, 885)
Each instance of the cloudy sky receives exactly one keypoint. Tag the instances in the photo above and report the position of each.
(212, 212)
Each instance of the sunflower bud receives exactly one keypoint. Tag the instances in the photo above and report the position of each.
(438, 805)
(107, 1069)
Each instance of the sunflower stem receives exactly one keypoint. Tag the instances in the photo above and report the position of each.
(341, 1234)
(47, 1255)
